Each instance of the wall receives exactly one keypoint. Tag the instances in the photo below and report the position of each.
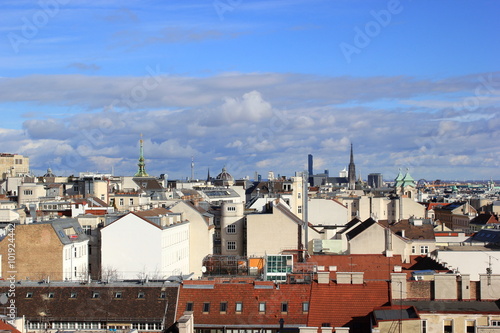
(201, 236)
(327, 212)
(270, 233)
(435, 321)
(175, 250)
(131, 248)
(232, 217)
(38, 253)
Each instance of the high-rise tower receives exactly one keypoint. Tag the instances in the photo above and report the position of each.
(142, 165)
(352, 172)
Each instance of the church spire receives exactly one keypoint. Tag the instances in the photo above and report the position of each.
(142, 165)
(352, 172)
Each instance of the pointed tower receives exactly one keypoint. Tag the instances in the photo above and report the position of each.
(352, 172)
(192, 168)
(142, 165)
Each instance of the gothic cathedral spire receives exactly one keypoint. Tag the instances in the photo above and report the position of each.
(352, 172)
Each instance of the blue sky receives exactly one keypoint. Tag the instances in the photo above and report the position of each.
(252, 85)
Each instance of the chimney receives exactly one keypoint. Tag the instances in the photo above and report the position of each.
(323, 277)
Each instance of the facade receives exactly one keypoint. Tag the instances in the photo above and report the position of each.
(134, 248)
(56, 250)
(455, 216)
(273, 233)
(375, 180)
(201, 233)
(232, 223)
(13, 165)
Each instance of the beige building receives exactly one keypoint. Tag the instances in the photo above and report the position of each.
(232, 223)
(382, 208)
(449, 303)
(56, 250)
(13, 165)
(30, 194)
(273, 233)
(201, 233)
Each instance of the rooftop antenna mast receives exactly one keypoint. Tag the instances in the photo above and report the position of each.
(192, 168)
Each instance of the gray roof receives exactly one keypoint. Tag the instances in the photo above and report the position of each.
(455, 306)
(395, 314)
(60, 224)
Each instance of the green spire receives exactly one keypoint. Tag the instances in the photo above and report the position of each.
(142, 165)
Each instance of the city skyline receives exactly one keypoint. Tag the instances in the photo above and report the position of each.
(252, 86)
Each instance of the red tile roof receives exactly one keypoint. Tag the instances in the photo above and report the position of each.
(7, 327)
(374, 266)
(250, 294)
(432, 205)
(341, 305)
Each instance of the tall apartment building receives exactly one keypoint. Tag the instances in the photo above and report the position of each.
(13, 165)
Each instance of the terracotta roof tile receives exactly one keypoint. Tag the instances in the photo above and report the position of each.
(250, 295)
(340, 305)
(5, 327)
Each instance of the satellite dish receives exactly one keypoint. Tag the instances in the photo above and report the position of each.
(203, 269)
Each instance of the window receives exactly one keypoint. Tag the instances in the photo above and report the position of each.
(29, 295)
(262, 307)
(223, 306)
(50, 295)
(121, 201)
(448, 326)
(131, 202)
(470, 326)
(231, 229)
(95, 294)
(206, 307)
(231, 245)
(73, 295)
(299, 209)
(118, 294)
(495, 323)
(87, 229)
(163, 295)
(239, 307)
(424, 249)
(28, 192)
(305, 306)
(231, 209)
(141, 294)
(284, 307)
(413, 249)
(424, 326)
(189, 306)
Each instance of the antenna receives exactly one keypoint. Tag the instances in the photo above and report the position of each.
(192, 168)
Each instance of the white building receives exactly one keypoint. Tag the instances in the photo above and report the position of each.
(136, 248)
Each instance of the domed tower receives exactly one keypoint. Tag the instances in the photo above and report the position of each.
(224, 178)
